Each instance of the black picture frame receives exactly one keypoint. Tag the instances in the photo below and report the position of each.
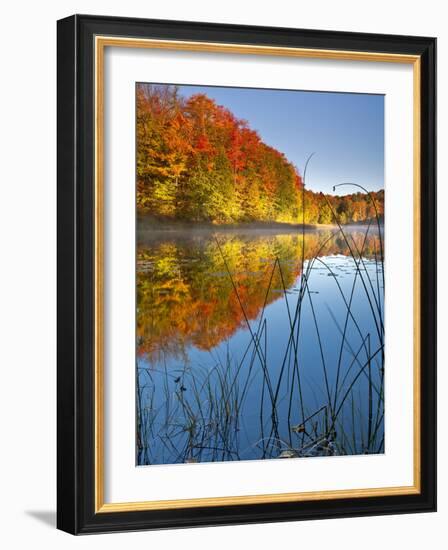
(76, 272)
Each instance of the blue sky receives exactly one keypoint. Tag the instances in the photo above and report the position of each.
(345, 131)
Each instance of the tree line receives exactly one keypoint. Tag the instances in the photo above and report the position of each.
(196, 161)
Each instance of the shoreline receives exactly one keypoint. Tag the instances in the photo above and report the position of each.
(151, 225)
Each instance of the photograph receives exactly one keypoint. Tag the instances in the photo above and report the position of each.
(224, 221)
(247, 266)
(260, 245)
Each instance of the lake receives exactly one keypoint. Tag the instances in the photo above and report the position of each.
(259, 343)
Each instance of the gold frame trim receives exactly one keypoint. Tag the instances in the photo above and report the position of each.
(101, 42)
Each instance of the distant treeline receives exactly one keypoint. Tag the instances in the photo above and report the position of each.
(196, 161)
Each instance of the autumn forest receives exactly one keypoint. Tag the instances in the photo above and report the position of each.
(197, 162)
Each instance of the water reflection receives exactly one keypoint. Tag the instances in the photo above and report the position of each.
(240, 356)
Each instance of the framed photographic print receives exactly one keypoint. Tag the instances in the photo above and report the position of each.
(246, 274)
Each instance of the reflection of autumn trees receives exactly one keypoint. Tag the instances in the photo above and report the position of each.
(196, 161)
(185, 295)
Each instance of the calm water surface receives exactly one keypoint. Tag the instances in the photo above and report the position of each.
(256, 344)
